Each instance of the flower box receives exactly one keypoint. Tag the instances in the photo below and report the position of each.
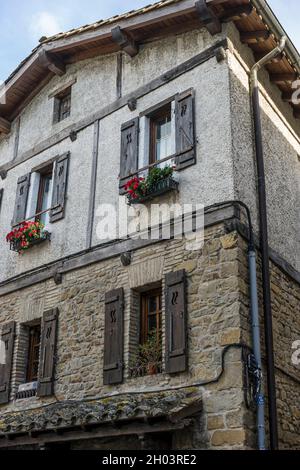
(27, 235)
(161, 187)
(158, 182)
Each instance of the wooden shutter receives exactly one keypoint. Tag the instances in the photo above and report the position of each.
(60, 187)
(7, 346)
(21, 199)
(1, 197)
(47, 353)
(185, 129)
(129, 150)
(176, 322)
(113, 340)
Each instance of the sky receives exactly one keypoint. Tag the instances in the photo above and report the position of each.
(22, 23)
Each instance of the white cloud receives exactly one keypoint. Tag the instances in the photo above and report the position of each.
(44, 24)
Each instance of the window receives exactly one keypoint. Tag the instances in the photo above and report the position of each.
(44, 194)
(151, 315)
(146, 350)
(62, 105)
(156, 133)
(160, 134)
(33, 353)
(40, 193)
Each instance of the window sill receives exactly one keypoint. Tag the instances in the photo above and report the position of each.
(26, 391)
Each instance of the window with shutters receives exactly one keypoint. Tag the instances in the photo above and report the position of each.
(62, 105)
(167, 133)
(147, 357)
(41, 194)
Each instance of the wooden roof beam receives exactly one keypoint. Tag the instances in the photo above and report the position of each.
(251, 37)
(52, 63)
(283, 77)
(124, 41)
(208, 17)
(237, 13)
(5, 126)
(260, 55)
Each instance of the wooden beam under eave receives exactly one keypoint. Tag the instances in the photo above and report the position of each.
(5, 126)
(252, 37)
(124, 41)
(237, 13)
(283, 77)
(260, 55)
(52, 63)
(208, 17)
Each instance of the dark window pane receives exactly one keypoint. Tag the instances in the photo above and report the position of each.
(153, 304)
(65, 107)
(33, 353)
(151, 323)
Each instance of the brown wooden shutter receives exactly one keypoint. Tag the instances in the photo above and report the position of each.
(185, 129)
(113, 340)
(60, 187)
(129, 150)
(176, 322)
(8, 338)
(47, 353)
(21, 199)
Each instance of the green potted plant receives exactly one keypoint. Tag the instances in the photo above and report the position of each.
(150, 353)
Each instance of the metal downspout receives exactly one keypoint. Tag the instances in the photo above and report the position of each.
(264, 245)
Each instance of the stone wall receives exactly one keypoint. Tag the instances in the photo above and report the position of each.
(213, 322)
(285, 293)
(218, 317)
(280, 132)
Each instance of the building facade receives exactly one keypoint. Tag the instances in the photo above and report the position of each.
(121, 342)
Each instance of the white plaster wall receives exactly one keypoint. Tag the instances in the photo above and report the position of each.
(7, 145)
(94, 89)
(159, 56)
(68, 234)
(281, 149)
(211, 179)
